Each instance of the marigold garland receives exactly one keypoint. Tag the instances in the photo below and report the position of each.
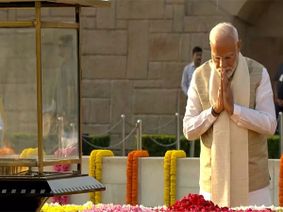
(170, 168)
(26, 153)
(91, 166)
(132, 175)
(6, 151)
(166, 167)
(129, 177)
(95, 170)
(281, 182)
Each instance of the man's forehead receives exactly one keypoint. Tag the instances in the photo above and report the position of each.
(224, 38)
(231, 53)
(223, 49)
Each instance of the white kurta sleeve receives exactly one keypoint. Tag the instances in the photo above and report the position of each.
(262, 119)
(196, 120)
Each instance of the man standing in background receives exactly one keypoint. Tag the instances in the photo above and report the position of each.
(190, 68)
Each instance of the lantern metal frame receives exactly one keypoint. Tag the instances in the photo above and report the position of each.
(33, 188)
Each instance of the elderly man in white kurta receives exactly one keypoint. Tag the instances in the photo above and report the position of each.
(230, 107)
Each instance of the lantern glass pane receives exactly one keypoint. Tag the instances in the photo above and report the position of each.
(60, 93)
(18, 107)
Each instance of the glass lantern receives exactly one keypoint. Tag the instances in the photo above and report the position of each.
(51, 134)
(40, 93)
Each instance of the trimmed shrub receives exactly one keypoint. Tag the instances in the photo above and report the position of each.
(150, 144)
(91, 142)
(20, 141)
(274, 147)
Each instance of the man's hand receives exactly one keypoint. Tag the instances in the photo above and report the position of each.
(228, 100)
(219, 105)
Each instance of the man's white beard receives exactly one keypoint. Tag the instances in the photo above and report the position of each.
(231, 71)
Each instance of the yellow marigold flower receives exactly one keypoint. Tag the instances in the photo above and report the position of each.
(95, 170)
(170, 169)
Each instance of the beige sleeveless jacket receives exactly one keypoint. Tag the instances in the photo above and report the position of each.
(258, 155)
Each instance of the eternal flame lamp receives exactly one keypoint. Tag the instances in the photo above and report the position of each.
(40, 120)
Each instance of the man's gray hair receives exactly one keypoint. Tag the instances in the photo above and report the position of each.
(223, 29)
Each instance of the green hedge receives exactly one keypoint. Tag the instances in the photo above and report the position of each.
(20, 141)
(157, 150)
(93, 142)
(274, 147)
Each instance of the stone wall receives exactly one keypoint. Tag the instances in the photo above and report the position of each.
(134, 54)
(265, 37)
(133, 57)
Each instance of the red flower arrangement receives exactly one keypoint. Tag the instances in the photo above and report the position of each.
(197, 203)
